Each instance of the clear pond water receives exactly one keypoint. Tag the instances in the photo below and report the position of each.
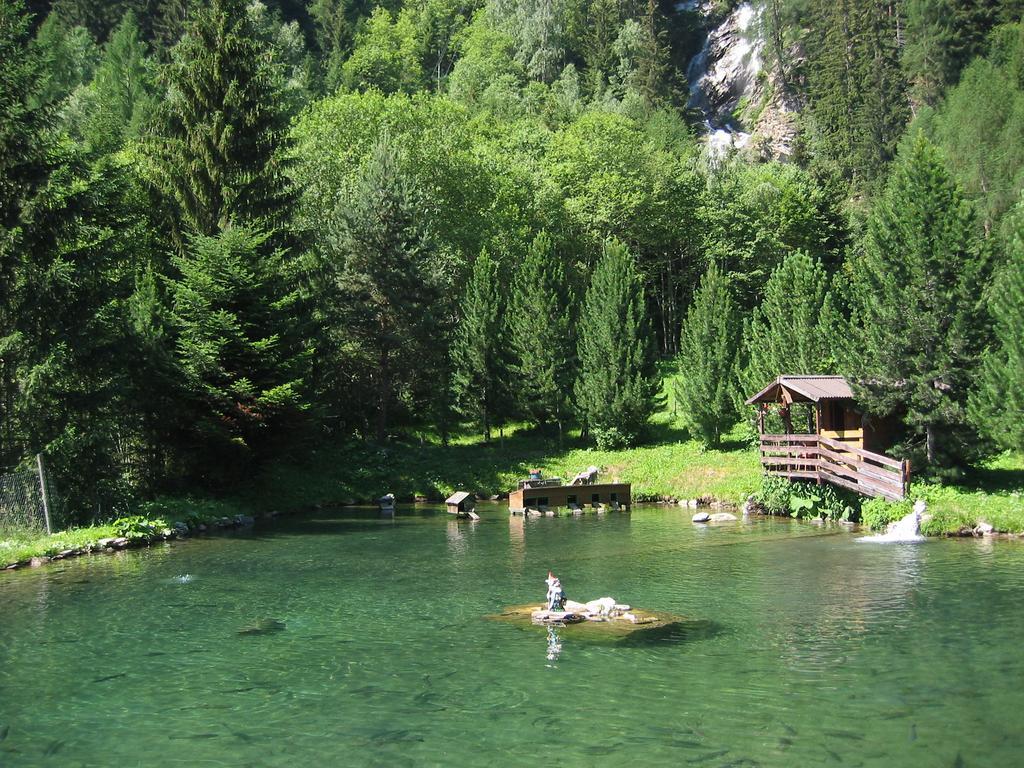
(346, 639)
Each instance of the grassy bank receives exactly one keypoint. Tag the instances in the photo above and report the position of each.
(670, 466)
(992, 494)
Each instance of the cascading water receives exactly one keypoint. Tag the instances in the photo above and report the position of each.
(722, 73)
(906, 531)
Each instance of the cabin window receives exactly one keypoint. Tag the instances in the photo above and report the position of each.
(570, 499)
(595, 498)
(613, 496)
(529, 502)
(542, 501)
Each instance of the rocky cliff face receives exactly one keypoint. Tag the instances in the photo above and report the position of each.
(743, 102)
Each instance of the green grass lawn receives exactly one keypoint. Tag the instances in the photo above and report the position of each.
(671, 465)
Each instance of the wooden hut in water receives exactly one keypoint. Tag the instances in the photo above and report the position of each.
(461, 504)
(836, 443)
(584, 490)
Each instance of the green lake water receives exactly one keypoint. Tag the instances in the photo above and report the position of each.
(803, 647)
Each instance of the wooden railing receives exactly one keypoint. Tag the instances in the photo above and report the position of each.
(815, 457)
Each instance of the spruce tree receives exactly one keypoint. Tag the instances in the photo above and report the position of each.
(387, 302)
(540, 334)
(617, 382)
(916, 303)
(708, 346)
(219, 147)
(123, 88)
(232, 308)
(479, 368)
(997, 404)
(786, 334)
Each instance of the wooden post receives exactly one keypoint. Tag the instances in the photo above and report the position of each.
(45, 493)
(906, 476)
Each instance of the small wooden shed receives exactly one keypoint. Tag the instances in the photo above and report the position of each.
(834, 409)
(839, 443)
(461, 503)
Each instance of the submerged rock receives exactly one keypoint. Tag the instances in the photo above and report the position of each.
(263, 627)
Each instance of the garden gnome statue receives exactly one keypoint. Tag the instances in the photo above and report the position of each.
(556, 595)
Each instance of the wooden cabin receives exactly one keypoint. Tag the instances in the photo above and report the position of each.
(827, 437)
(554, 493)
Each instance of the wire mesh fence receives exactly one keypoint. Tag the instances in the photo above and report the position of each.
(25, 500)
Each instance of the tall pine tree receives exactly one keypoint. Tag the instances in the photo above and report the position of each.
(786, 333)
(219, 149)
(386, 299)
(242, 368)
(540, 334)
(708, 347)
(917, 308)
(997, 404)
(479, 368)
(617, 382)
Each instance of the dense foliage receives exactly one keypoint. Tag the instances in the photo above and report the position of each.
(235, 229)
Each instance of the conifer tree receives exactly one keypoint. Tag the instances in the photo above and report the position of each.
(786, 333)
(920, 320)
(387, 301)
(706, 386)
(232, 307)
(123, 89)
(540, 334)
(617, 382)
(479, 365)
(218, 151)
(997, 404)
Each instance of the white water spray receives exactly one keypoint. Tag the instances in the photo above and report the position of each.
(906, 531)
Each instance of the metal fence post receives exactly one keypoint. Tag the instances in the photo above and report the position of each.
(45, 493)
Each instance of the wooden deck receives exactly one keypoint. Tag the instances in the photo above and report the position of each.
(824, 459)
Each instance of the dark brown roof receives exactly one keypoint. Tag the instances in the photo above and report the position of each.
(805, 388)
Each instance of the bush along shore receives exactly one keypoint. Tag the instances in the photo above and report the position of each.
(33, 550)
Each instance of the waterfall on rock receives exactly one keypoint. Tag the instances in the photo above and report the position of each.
(723, 75)
(744, 103)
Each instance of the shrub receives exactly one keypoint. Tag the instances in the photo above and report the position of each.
(805, 500)
(138, 527)
(876, 514)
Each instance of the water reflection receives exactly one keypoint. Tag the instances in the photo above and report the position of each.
(554, 645)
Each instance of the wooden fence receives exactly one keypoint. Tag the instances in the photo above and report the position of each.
(819, 458)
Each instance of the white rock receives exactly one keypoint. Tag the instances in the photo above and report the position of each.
(723, 517)
(700, 517)
(985, 529)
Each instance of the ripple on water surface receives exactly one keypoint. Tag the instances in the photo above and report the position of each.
(345, 639)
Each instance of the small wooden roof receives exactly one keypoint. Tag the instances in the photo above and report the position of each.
(804, 389)
(457, 498)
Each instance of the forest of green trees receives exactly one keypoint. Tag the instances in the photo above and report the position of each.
(234, 230)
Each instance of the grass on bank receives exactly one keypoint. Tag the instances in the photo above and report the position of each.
(670, 465)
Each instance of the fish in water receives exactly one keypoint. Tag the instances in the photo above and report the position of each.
(959, 762)
(183, 579)
(834, 755)
(709, 756)
(110, 677)
(845, 735)
(4, 730)
(53, 748)
(196, 737)
(263, 627)
(913, 731)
